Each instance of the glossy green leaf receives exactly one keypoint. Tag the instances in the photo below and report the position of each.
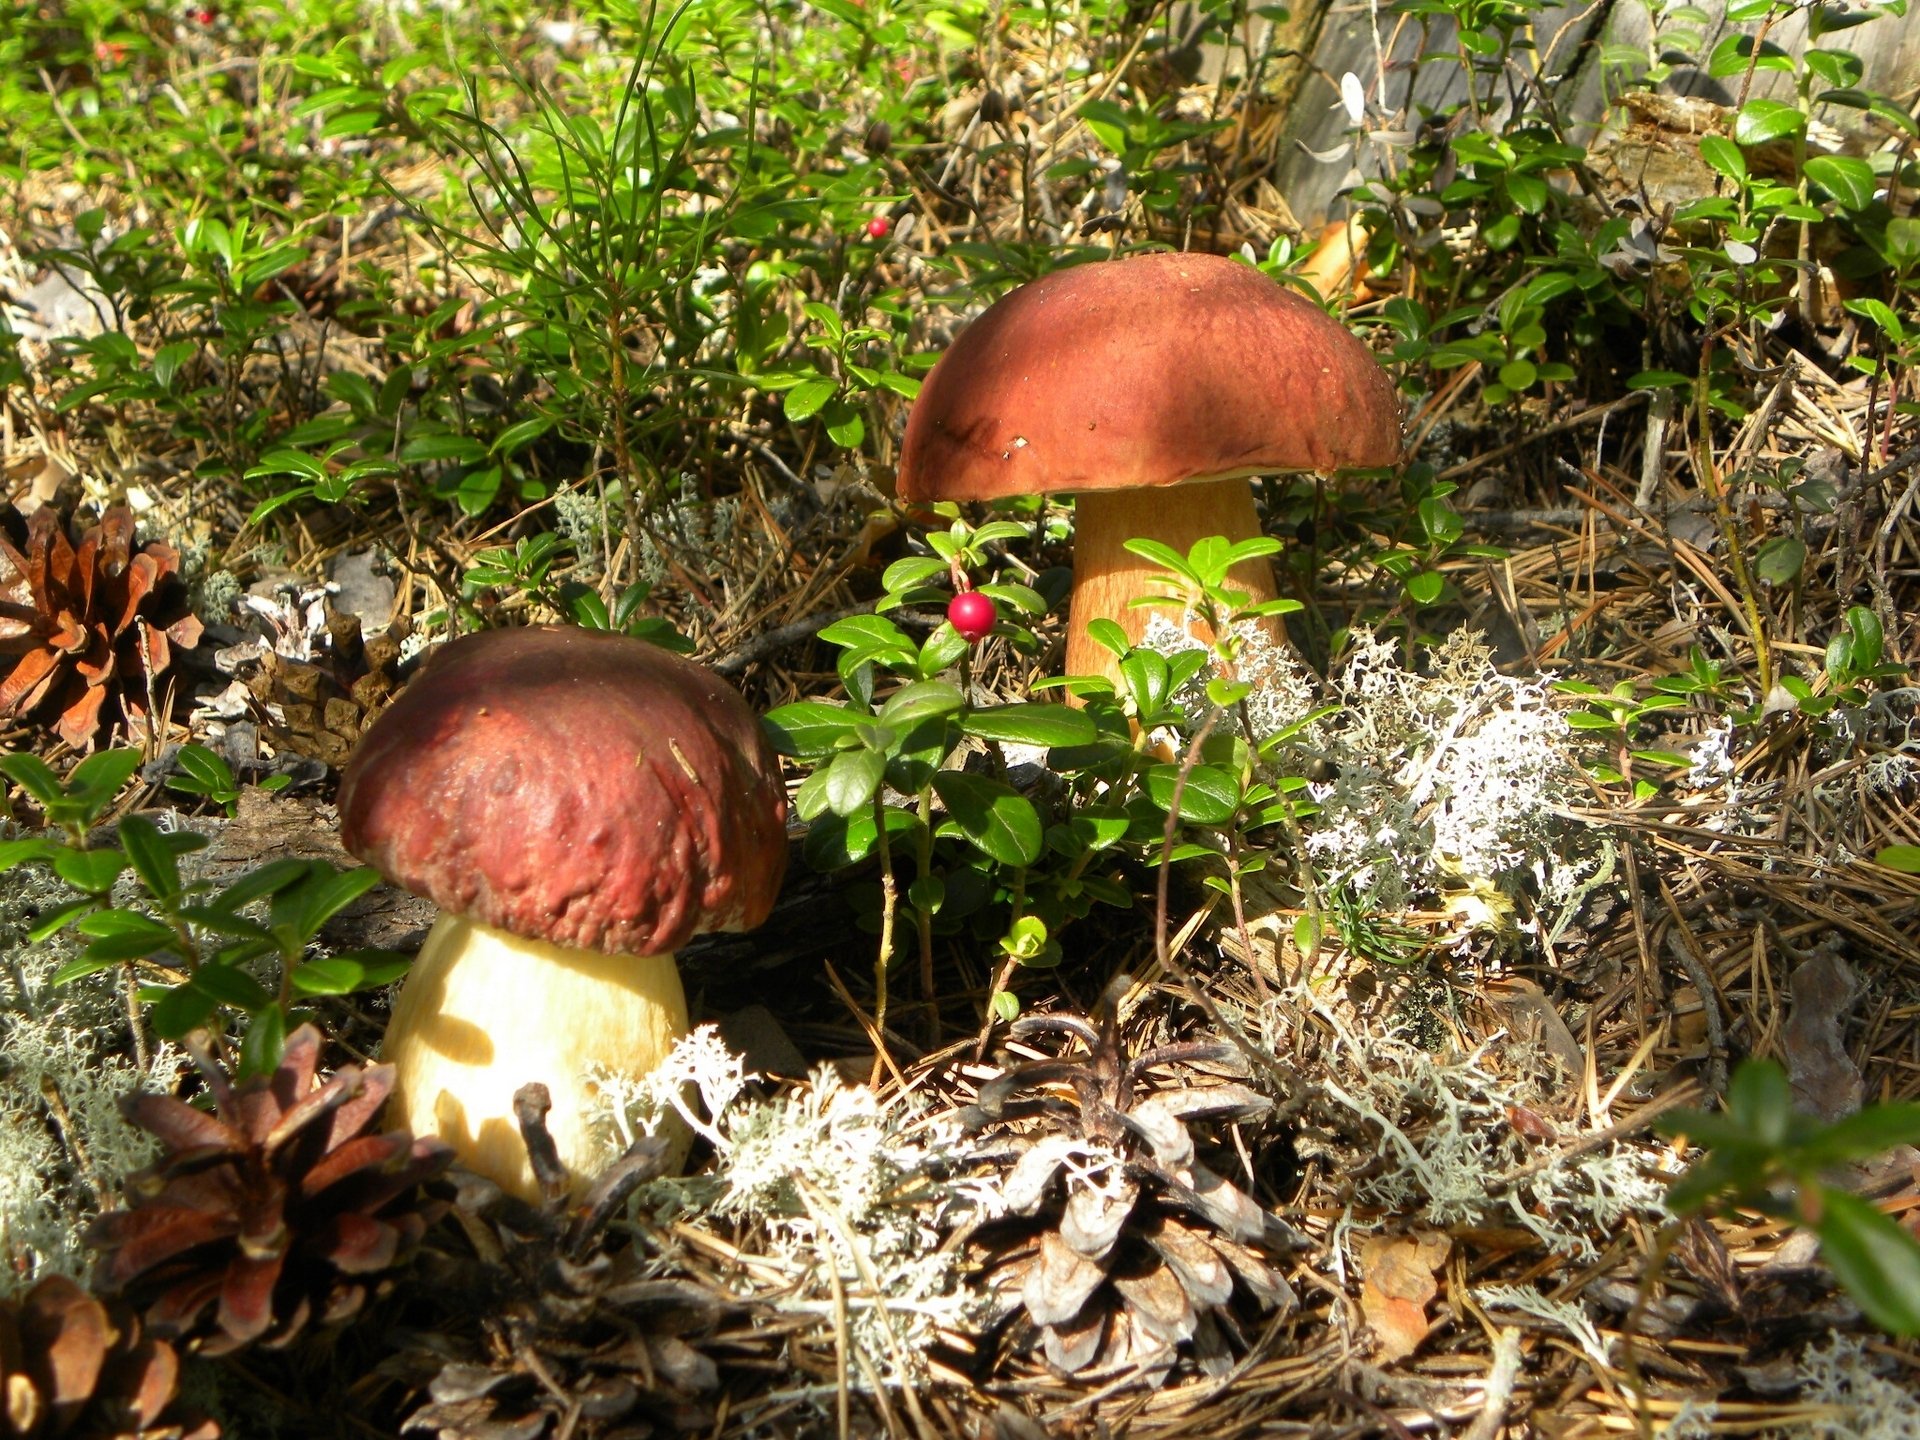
(999, 820)
(1211, 796)
(1877, 1260)
(808, 728)
(852, 778)
(1045, 725)
(1762, 120)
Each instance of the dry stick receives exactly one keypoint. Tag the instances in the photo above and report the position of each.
(1501, 1374)
(1682, 953)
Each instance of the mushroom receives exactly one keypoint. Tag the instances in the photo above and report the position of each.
(579, 805)
(1113, 381)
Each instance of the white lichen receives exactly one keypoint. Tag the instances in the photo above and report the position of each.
(1450, 1155)
(1859, 1400)
(64, 1067)
(1446, 774)
(851, 1194)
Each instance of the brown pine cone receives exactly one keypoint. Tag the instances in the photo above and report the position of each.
(288, 1205)
(1121, 1250)
(576, 1336)
(93, 625)
(71, 1371)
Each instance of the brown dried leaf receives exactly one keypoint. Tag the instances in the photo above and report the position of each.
(1399, 1284)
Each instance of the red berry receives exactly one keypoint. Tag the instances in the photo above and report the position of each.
(971, 614)
(878, 227)
(206, 15)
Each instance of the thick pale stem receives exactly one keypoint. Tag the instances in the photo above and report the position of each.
(1106, 575)
(484, 1012)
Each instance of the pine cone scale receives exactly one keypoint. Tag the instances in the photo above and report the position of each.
(1121, 1250)
(69, 1368)
(288, 1215)
(88, 624)
(142, 1239)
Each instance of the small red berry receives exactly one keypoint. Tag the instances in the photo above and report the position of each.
(878, 227)
(972, 615)
(206, 15)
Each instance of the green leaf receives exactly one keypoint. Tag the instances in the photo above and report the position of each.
(177, 1011)
(852, 778)
(1762, 120)
(867, 632)
(150, 856)
(96, 780)
(81, 966)
(206, 773)
(919, 702)
(335, 975)
(518, 437)
(1780, 560)
(1108, 635)
(1148, 679)
(231, 986)
(805, 400)
(1723, 155)
(260, 882)
(808, 728)
(1165, 556)
(1426, 586)
(942, 648)
(1099, 827)
(1876, 1260)
(1760, 1102)
(300, 912)
(52, 922)
(103, 924)
(1904, 858)
(19, 852)
(1047, 725)
(999, 820)
(265, 1041)
(1006, 1006)
(93, 871)
(33, 775)
(1211, 796)
(1864, 1133)
(1847, 178)
(912, 572)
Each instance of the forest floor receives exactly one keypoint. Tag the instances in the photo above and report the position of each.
(1587, 778)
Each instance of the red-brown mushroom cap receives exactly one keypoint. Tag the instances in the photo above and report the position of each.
(1148, 371)
(573, 786)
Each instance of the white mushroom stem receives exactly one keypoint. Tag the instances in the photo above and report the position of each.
(1106, 575)
(484, 1012)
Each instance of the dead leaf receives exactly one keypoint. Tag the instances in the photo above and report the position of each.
(1826, 1082)
(1398, 1286)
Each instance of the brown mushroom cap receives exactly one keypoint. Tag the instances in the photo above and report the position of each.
(1147, 371)
(573, 786)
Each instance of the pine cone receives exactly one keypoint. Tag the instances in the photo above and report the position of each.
(90, 624)
(1120, 1246)
(290, 1205)
(71, 1371)
(575, 1338)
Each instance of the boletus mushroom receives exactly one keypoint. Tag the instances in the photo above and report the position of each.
(1150, 389)
(579, 805)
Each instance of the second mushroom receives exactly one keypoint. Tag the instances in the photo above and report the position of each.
(1114, 382)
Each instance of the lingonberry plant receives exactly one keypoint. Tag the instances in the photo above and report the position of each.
(189, 949)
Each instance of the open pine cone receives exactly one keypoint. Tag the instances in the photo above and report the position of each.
(289, 1205)
(91, 624)
(71, 1371)
(1120, 1247)
(575, 1337)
